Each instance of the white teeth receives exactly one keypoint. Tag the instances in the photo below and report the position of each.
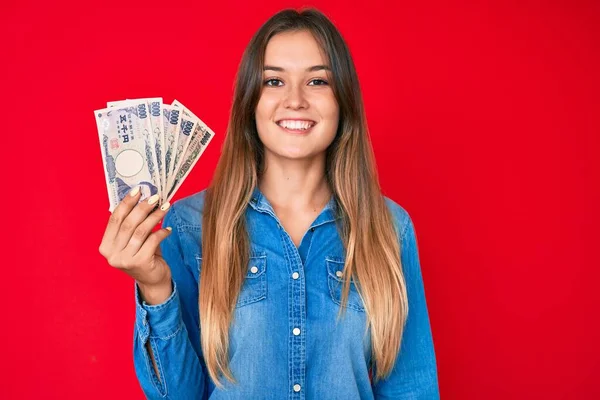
(297, 125)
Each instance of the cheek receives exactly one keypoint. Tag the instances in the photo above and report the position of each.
(263, 116)
(328, 108)
(329, 111)
(266, 106)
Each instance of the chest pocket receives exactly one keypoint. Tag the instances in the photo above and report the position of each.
(255, 284)
(335, 268)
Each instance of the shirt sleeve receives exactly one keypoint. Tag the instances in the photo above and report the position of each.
(414, 375)
(162, 325)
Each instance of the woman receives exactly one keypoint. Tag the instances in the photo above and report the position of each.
(291, 276)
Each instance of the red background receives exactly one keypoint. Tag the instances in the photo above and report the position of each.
(484, 119)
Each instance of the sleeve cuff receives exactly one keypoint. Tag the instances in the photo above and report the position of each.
(160, 320)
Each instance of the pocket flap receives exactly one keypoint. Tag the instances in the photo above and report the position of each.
(335, 267)
(256, 266)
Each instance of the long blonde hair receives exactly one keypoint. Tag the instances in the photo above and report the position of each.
(367, 228)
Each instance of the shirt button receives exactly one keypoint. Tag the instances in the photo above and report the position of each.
(254, 269)
(295, 275)
(339, 274)
(296, 331)
(296, 388)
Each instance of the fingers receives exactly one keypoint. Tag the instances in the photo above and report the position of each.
(151, 245)
(133, 220)
(144, 229)
(117, 217)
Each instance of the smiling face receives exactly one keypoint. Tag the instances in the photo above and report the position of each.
(297, 113)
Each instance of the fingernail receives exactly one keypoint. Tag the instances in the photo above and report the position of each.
(165, 206)
(169, 228)
(134, 191)
(153, 199)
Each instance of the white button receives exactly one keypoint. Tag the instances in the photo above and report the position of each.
(254, 269)
(295, 275)
(339, 274)
(296, 388)
(296, 331)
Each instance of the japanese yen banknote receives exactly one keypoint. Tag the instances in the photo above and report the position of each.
(149, 144)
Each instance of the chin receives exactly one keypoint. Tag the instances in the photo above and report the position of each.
(295, 155)
(292, 149)
(292, 154)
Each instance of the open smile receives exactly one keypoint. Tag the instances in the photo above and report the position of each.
(301, 126)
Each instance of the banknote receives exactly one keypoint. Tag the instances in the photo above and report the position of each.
(171, 126)
(189, 128)
(156, 117)
(156, 121)
(197, 145)
(127, 145)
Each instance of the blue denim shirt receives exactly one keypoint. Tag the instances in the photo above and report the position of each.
(284, 340)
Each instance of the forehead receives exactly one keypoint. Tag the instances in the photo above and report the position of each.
(293, 50)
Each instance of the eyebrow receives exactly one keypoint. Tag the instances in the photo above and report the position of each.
(309, 69)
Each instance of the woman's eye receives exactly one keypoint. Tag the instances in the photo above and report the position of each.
(278, 82)
(267, 82)
(321, 82)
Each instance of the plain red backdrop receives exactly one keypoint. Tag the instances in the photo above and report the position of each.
(484, 120)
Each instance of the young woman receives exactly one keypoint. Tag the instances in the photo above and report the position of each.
(291, 276)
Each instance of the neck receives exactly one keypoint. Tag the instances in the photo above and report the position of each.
(295, 184)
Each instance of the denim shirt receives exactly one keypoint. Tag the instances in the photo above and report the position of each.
(284, 339)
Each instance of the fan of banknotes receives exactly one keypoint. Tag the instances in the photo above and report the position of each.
(149, 144)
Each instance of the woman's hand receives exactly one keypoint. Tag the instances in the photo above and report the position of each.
(130, 245)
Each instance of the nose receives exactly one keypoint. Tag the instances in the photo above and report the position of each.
(295, 98)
